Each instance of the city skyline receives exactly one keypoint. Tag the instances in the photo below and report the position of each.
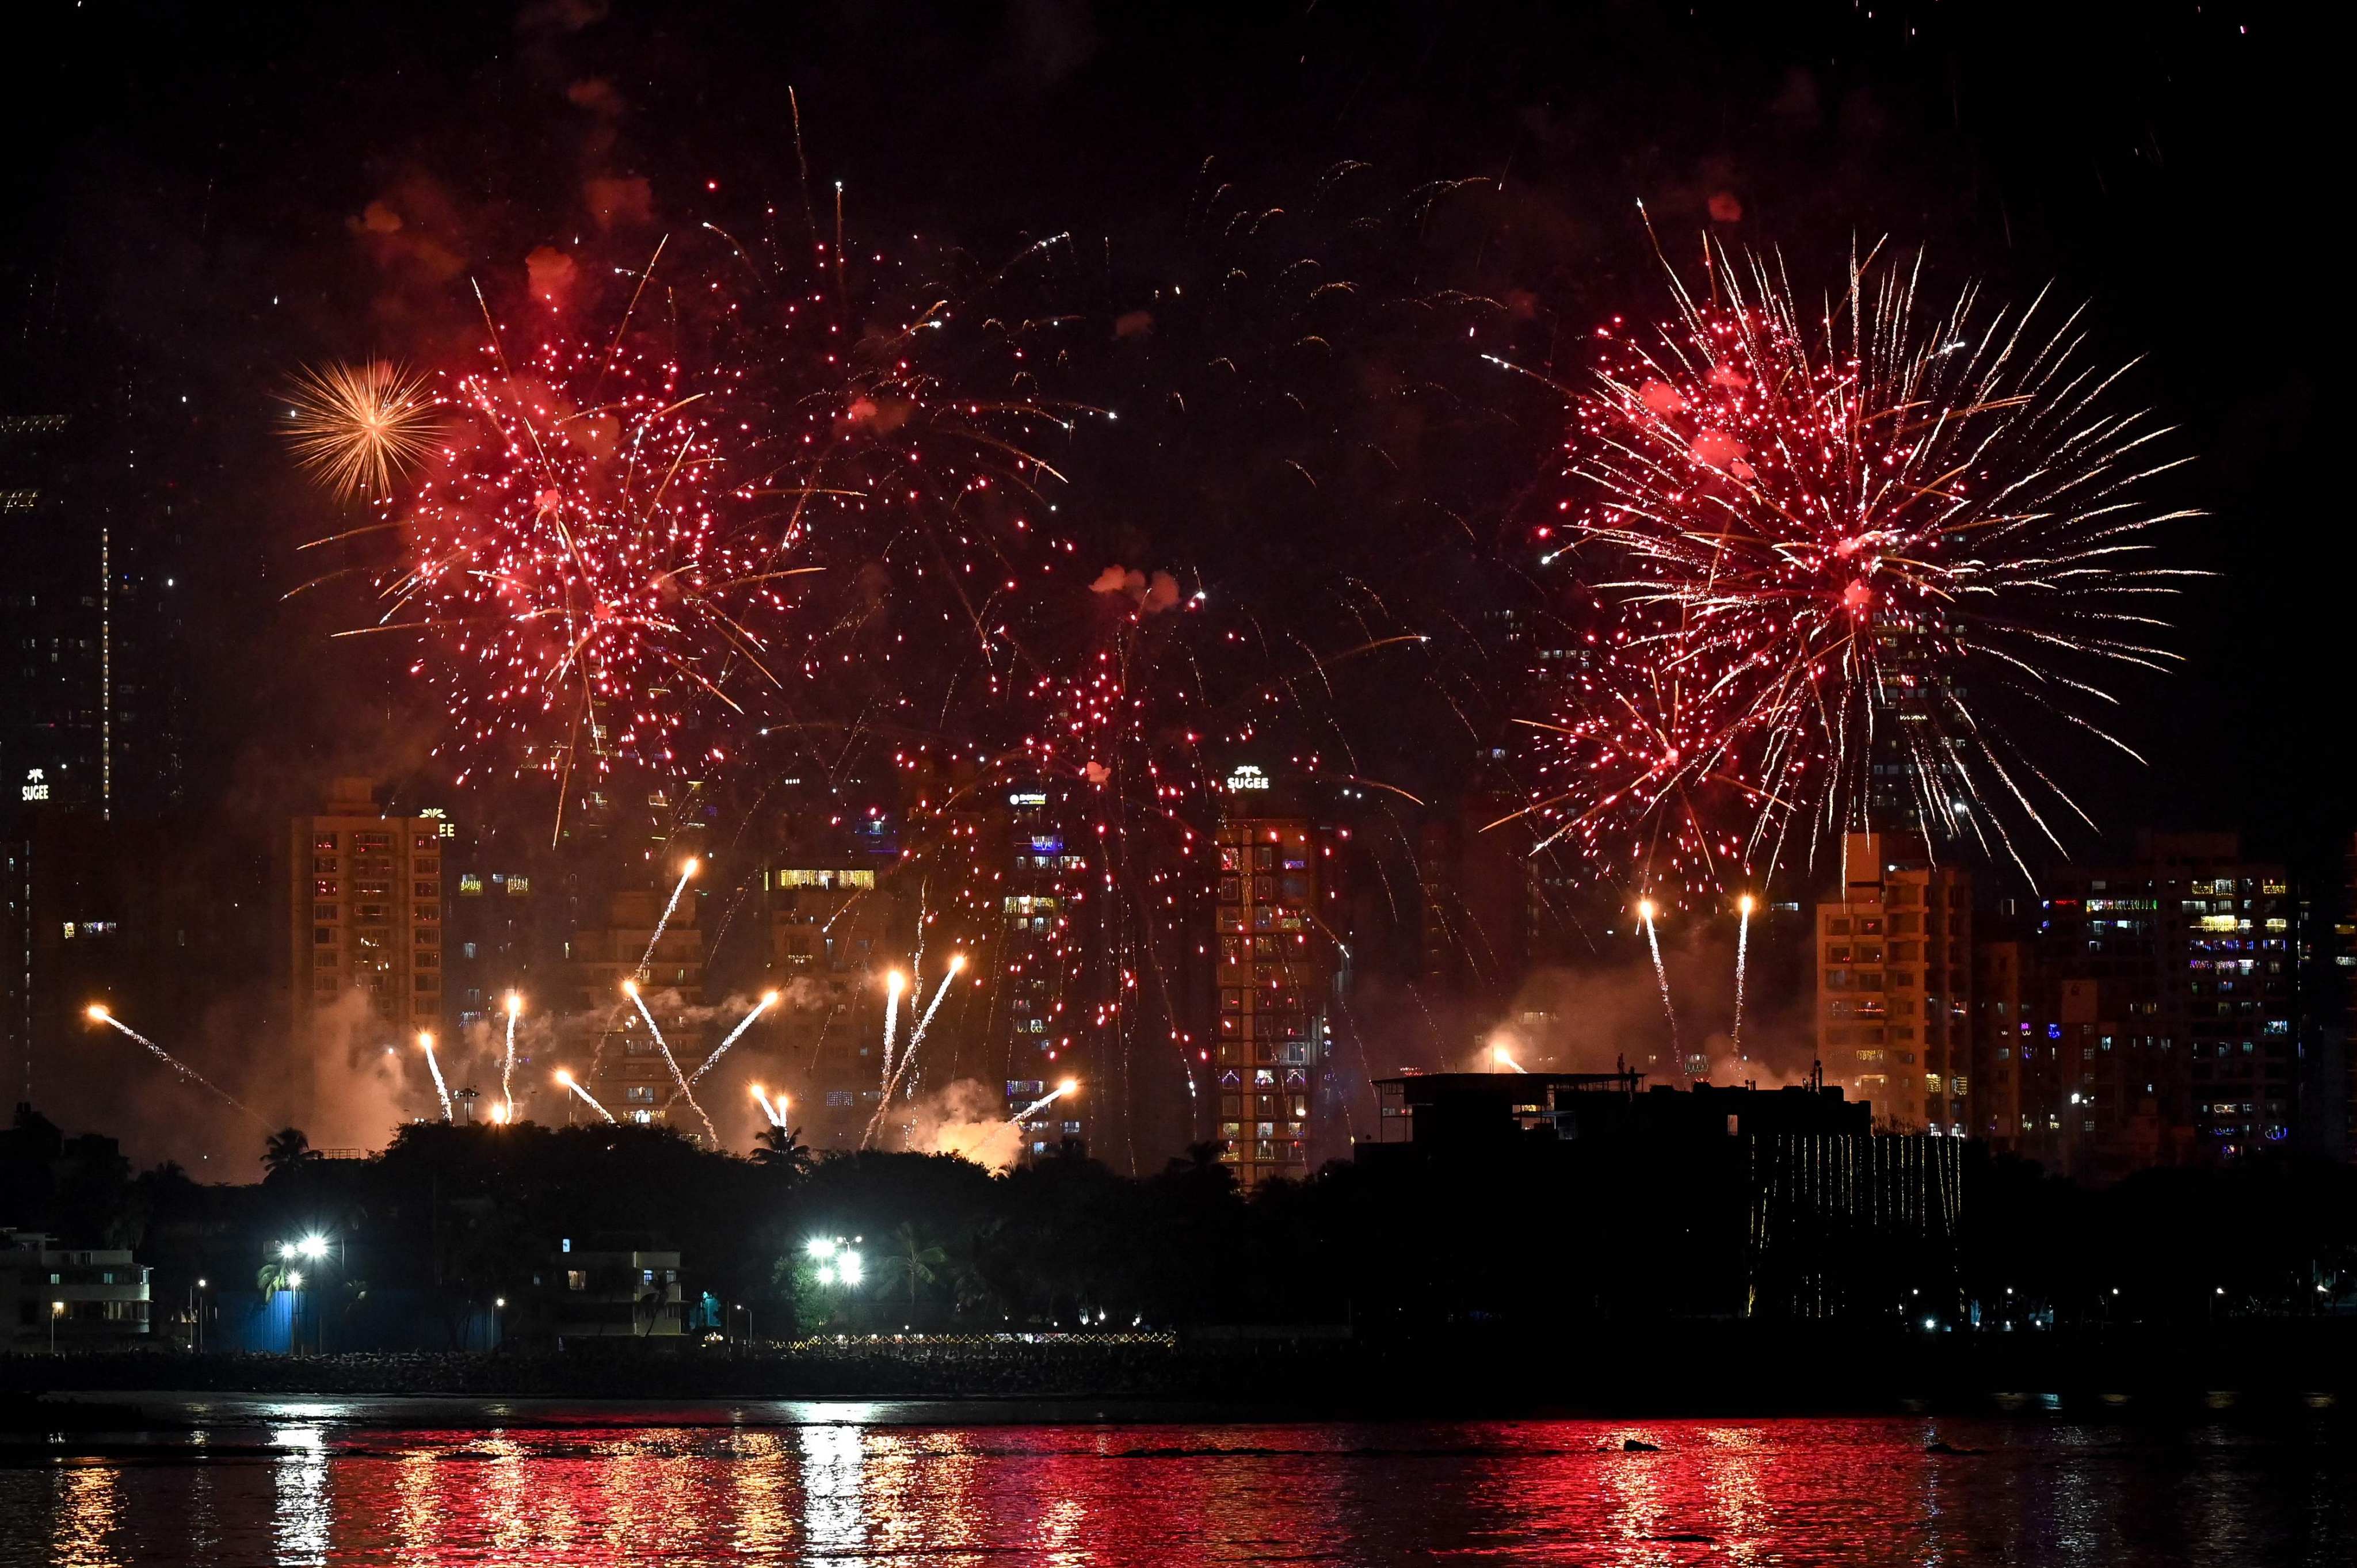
(1431, 640)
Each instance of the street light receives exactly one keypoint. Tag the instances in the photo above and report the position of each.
(197, 1318)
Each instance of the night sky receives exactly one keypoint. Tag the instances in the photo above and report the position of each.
(191, 188)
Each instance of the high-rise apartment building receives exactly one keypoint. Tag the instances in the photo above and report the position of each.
(492, 943)
(1276, 958)
(365, 948)
(2012, 1004)
(2196, 955)
(2344, 964)
(1036, 1027)
(1894, 984)
(829, 928)
(615, 1054)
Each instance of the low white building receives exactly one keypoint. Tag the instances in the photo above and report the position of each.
(74, 1298)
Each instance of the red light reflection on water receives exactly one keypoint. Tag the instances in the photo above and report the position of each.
(1352, 1493)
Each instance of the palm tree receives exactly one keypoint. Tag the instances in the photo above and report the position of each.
(970, 1281)
(287, 1150)
(914, 1259)
(777, 1148)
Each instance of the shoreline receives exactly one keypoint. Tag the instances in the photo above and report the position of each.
(1730, 1370)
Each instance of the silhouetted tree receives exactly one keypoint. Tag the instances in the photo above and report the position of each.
(288, 1150)
(779, 1149)
(913, 1259)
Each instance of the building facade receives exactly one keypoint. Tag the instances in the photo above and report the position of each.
(365, 938)
(2187, 959)
(1036, 1031)
(1894, 985)
(69, 1298)
(829, 924)
(1277, 965)
(614, 1053)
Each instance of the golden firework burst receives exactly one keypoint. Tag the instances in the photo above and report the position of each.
(358, 428)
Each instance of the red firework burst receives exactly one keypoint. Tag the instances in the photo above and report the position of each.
(1830, 547)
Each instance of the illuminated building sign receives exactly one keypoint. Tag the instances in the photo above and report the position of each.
(1028, 797)
(1047, 843)
(1247, 777)
(36, 785)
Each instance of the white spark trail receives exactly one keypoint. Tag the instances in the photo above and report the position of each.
(177, 1065)
(506, 1063)
(896, 1075)
(768, 1000)
(1742, 952)
(671, 1062)
(433, 1064)
(569, 1081)
(646, 961)
(1661, 973)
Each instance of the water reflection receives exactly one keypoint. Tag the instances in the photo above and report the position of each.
(834, 1475)
(318, 1489)
(302, 1519)
(86, 1503)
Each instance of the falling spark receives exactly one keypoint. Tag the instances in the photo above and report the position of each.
(679, 887)
(99, 1014)
(566, 1080)
(670, 1061)
(426, 1043)
(769, 999)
